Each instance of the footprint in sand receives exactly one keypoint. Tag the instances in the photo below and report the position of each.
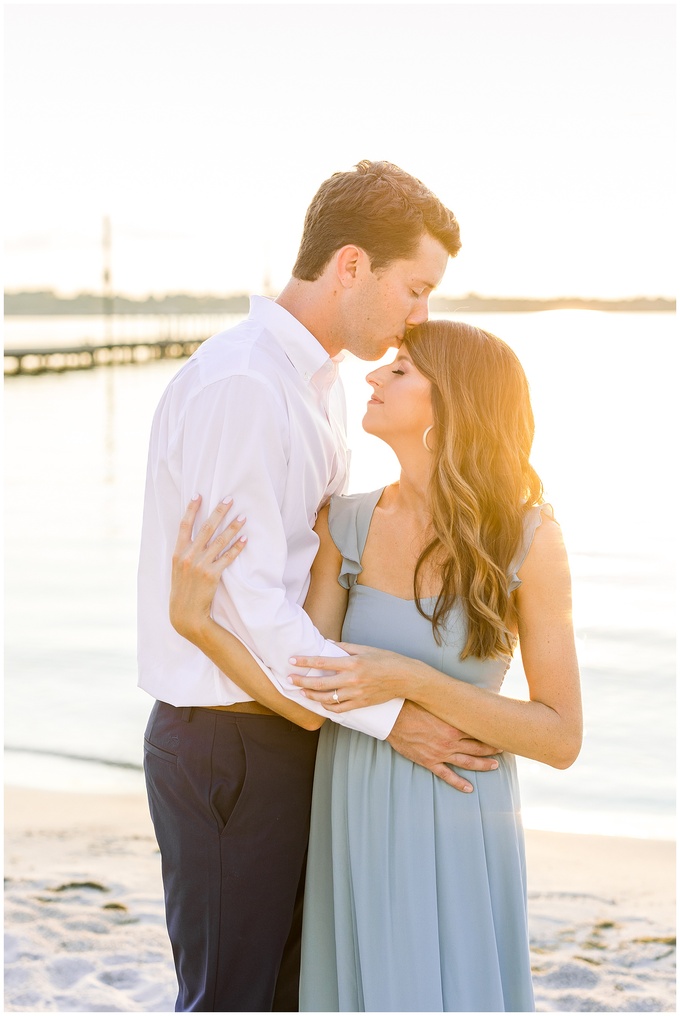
(123, 978)
(65, 971)
(86, 924)
(570, 975)
(17, 948)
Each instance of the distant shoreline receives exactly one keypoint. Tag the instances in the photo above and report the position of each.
(47, 303)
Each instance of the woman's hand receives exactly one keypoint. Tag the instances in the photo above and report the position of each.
(364, 678)
(197, 565)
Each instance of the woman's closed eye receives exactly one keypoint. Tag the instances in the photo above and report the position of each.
(397, 372)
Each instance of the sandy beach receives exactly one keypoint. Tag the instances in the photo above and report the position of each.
(85, 927)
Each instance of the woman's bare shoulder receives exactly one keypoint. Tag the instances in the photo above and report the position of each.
(547, 556)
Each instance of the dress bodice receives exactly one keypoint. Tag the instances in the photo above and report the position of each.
(379, 619)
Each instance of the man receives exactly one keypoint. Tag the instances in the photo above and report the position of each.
(258, 412)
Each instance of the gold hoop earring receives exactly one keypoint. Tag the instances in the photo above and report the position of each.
(427, 431)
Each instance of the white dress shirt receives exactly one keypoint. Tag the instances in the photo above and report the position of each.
(258, 413)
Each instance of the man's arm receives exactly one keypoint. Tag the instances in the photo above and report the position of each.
(236, 441)
(435, 745)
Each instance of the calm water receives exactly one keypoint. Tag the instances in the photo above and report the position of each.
(26, 332)
(604, 396)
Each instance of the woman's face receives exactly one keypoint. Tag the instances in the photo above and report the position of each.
(400, 408)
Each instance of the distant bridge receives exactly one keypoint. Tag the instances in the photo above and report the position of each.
(85, 357)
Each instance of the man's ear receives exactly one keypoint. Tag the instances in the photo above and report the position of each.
(348, 263)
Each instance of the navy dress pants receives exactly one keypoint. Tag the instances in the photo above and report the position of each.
(230, 796)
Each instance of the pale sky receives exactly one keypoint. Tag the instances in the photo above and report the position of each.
(204, 130)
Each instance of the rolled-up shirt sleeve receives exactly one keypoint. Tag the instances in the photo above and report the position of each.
(236, 441)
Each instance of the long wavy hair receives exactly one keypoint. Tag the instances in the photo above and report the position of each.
(482, 482)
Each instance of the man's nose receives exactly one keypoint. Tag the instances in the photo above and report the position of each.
(419, 314)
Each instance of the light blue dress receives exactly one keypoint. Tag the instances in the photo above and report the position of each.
(416, 893)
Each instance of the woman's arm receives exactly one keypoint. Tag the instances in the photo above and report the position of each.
(196, 568)
(326, 601)
(547, 728)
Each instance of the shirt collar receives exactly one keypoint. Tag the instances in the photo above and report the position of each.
(306, 353)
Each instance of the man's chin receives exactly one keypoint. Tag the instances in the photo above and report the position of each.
(377, 352)
(372, 349)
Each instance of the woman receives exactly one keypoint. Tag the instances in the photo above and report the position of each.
(416, 894)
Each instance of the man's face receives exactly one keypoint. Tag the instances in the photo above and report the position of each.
(385, 304)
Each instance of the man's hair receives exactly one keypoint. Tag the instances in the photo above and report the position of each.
(377, 207)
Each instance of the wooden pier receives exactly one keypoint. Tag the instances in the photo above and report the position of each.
(85, 357)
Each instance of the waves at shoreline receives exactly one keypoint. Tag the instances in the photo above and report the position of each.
(41, 769)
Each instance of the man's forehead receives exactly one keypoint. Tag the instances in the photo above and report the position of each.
(430, 262)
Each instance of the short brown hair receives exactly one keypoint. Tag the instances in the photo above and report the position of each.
(378, 207)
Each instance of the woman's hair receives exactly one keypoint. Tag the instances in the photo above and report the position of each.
(481, 483)
(378, 207)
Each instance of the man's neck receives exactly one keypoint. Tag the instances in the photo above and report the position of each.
(308, 302)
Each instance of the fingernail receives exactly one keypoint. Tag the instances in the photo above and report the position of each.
(243, 539)
(467, 790)
(240, 518)
(227, 500)
(293, 661)
(195, 497)
(494, 765)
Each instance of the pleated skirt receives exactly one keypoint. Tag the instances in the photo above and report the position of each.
(416, 893)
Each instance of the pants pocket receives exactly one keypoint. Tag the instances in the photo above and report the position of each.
(152, 749)
(228, 783)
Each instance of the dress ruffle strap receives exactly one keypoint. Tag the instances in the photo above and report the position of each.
(349, 518)
(532, 521)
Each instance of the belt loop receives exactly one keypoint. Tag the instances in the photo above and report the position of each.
(187, 712)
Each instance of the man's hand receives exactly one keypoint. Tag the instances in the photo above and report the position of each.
(429, 741)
